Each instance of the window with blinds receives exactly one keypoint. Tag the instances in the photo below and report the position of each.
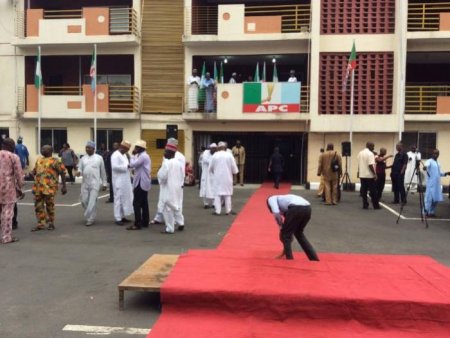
(357, 16)
(374, 77)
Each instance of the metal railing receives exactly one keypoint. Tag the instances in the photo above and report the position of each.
(63, 90)
(124, 99)
(63, 14)
(425, 16)
(294, 18)
(19, 24)
(20, 100)
(304, 99)
(201, 20)
(123, 21)
(422, 99)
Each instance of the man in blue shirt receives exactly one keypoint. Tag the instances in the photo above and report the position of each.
(22, 151)
(297, 213)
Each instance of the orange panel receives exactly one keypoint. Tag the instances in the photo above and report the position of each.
(73, 104)
(97, 20)
(33, 17)
(262, 24)
(444, 21)
(74, 29)
(32, 99)
(443, 105)
(102, 98)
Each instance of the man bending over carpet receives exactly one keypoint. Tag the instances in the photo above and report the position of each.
(297, 213)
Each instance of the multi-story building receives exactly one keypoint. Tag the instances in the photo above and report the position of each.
(401, 90)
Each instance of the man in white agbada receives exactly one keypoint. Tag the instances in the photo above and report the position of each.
(222, 167)
(121, 178)
(206, 185)
(194, 85)
(159, 216)
(171, 177)
(92, 169)
(410, 176)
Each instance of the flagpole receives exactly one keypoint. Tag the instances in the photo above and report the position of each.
(39, 101)
(95, 97)
(352, 92)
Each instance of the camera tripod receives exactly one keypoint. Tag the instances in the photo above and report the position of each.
(420, 190)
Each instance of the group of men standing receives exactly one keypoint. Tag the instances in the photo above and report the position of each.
(216, 185)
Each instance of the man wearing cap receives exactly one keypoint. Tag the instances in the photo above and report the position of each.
(121, 179)
(206, 186)
(170, 175)
(92, 169)
(180, 158)
(222, 167)
(297, 213)
(21, 151)
(141, 163)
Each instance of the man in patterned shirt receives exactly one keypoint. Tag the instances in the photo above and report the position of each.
(46, 173)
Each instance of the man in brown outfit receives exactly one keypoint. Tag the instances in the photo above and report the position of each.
(238, 152)
(330, 167)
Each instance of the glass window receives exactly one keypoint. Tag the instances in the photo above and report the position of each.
(108, 137)
(426, 142)
(4, 132)
(55, 137)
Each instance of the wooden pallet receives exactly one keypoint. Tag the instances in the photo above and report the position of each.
(148, 277)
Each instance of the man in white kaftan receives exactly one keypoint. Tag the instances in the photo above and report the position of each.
(223, 166)
(410, 175)
(171, 178)
(121, 178)
(92, 170)
(194, 85)
(206, 185)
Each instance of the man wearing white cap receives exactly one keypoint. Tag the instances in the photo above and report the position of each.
(223, 167)
(180, 158)
(170, 175)
(206, 185)
(92, 169)
(141, 163)
(121, 178)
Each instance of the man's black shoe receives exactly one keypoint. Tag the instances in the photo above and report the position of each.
(180, 227)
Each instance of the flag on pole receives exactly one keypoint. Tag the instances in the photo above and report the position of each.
(351, 66)
(275, 73)
(201, 91)
(38, 72)
(264, 72)
(93, 71)
(216, 74)
(221, 72)
(256, 77)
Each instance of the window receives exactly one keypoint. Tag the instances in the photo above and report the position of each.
(108, 137)
(55, 137)
(4, 132)
(426, 142)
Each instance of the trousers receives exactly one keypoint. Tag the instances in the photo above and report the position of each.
(330, 188)
(368, 185)
(88, 200)
(218, 204)
(44, 207)
(140, 206)
(295, 221)
(6, 215)
(398, 186)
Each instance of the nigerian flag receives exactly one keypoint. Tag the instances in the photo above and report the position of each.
(38, 72)
(201, 91)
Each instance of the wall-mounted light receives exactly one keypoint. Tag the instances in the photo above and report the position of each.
(274, 60)
(225, 61)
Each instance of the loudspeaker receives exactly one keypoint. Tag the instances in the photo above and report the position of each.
(346, 149)
(172, 131)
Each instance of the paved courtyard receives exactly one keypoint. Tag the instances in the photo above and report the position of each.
(69, 277)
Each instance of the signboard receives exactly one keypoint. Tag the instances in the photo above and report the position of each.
(271, 97)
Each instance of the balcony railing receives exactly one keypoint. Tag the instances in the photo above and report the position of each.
(423, 99)
(426, 16)
(123, 99)
(123, 21)
(294, 18)
(203, 20)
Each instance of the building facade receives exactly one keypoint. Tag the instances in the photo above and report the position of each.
(148, 48)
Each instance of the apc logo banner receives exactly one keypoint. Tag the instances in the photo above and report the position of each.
(271, 97)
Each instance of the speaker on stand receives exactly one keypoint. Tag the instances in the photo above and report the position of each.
(346, 183)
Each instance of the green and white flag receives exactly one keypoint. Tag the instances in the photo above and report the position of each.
(38, 72)
(256, 77)
(201, 92)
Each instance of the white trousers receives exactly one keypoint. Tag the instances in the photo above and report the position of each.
(172, 215)
(88, 200)
(218, 204)
(159, 217)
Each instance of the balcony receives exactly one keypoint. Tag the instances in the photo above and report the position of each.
(77, 26)
(247, 23)
(427, 102)
(253, 101)
(75, 102)
(427, 20)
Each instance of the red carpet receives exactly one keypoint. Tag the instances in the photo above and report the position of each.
(239, 290)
